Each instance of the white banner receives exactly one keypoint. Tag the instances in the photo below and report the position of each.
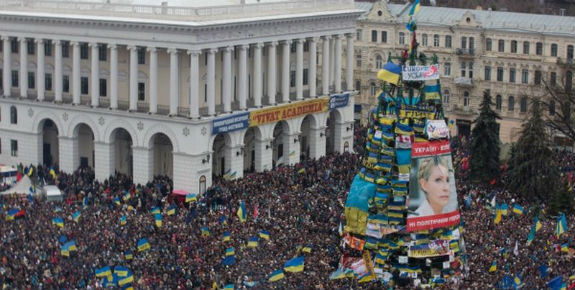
(420, 72)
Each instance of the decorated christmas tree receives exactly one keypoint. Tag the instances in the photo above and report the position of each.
(402, 219)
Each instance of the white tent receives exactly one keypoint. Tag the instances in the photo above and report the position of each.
(22, 187)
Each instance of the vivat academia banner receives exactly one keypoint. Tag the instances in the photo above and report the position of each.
(432, 193)
(230, 123)
(420, 72)
(289, 111)
(338, 101)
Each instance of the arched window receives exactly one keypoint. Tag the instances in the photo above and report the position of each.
(346, 146)
(378, 62)
(511, 104)
(465, 98)
(372, 89)
(202, 188)
(13, 115)
(498, 101)
(523, 104)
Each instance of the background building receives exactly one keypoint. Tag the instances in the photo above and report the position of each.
(165, 89)
(507, 53)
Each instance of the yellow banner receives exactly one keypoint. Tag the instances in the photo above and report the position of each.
(284, 112)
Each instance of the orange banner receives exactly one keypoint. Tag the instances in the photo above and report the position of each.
(284, 112)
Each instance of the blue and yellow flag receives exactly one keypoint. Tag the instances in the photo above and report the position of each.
(11, 214)
(71, 245)
(276, 276)
(242, 212)
(518, 209)
(531, 235)
(117, 201)
(158, 220)
(172, 209)
(128, 255)
(205, 231)
(414, 8)
(390, 73)
(517, 282)
(561, 225)
(155, 210)
(127, 280)
(306, 249)
(31, 171)
(504, 208)
(121, 271)
(52, 173)
(497, 219)
(433, 92)
(64, 251)
(493, 267)
(127, 196)
(230, 252)
(265, 235)
(58, 221)
(191, 197)
(229, 287)
(227, 236)
(103, 272)
(76, 216)
(294, 265)
(123, 220)
(143, 245)
(537, 224)
(253, 242)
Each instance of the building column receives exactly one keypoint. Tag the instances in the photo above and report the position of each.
(337, 65)
(194, 83)
(258, 88)
(325, 66)
(143, 164)
(331, 61)
(69, 159)
(272, 69)
(174, 82)
(133, 78)
(23, 67)
(234, 157)
(312, 78)
(243, 77)
(292, 148)
(75, 73)
(95, 75)
(349, 63)
(299, 69)
(6, 67)
(40, 70)
(227, 79)
(211, 81)
(285, 70)
(113, 76)
(316, 142)
(104, 160)
(58, 71)
(264, 154)
(153, 80)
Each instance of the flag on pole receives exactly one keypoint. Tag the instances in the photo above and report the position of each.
(414, 8)
(276, 275)
(390, 73)
(143, 245)
(242, 212)
(295, 265)
(493, 267)
(561, 225)
(76, 216)
(518, 209)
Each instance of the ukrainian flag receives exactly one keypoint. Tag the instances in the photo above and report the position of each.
(265, 235)
(518, 209)
(414, 8)
(121, 271)
(433, 92)
(155, 210)
(52, 173)
(117, 201)
(306, 249)
(253, 242)
(497, 216)
(537, 224)
(229, 287)
(71, 246)
(126, 280)
(294, 265)
(127, 196)
(205, 231)
(230, 252)
(123, 220)
(64, 251)
(561, 225)
(191, 197)
(103, 272)
(143, 245)
(128, 255)
(227, 236)
(390, 73)
(565, 247)
(12, 214)
(242, 212)
(76, 216)
(276, 276)
(58, 222)
(493, 267)
(158, 220)
(504, 209)
(172, 210)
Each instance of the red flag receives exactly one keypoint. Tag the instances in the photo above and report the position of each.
(18, 176)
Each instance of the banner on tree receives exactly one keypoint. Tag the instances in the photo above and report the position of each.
(432, 197)
(420, 72)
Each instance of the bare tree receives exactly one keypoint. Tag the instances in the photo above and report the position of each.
(559, 100)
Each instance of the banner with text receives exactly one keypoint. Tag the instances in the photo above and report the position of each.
(338, 101)
(433, 249)
(284, 112)
(420, 72)
(230, 123)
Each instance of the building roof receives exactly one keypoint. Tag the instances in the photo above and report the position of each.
(489, 20)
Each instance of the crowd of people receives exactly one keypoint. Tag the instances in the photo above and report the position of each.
(299, 207)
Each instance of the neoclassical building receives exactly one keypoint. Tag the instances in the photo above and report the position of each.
(177, 89)
(508, 53)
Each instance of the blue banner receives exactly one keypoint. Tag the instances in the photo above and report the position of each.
(338, 101)
(231, 123)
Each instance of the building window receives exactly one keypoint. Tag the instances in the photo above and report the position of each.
(358, 60)
(66, 83)
(498, 102)
(292, 78)
(401, 38)
(466, 99)
(141, 55)
(103, 52)
(551, 107)
(446, 97)
(103, 87)
(293, 47)
(488, 44)
(48, 82)
(537, 79)
(374, 36)
(13, 115)
(501, 45)
(384, 36)
(539, 48)
(553, 78)
(436, 40)
(471, 43)
(470, 69)
(378, 62)
(142, 91)
(84, 85)
(499, 74)
(447, 69)
(513, 46)
(65, 49)
(358, 35)
(83, 50)
(526, 45)
(463, 69)
(424, 39)
(372, 89)
(463, 42)
(570, 52)
(554, 49)
(48, 47)
(305, 76)
(524, 76)
(487, 73)
(448, 41)
(31, 47)
(14, 45)
(305, 48)
(15, 76)
(14, 148)
(31, 80)
(358, 85)
(523, 104)
(512, 75)
(511, 104)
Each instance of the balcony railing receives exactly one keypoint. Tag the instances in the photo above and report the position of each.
(566, 61)
(463, 81)
(465, 52)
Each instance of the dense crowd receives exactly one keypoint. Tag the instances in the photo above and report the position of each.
(300, 206)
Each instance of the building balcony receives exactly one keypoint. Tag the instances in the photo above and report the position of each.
(461, 110)
(569, 62)
(465, 52)
(463, 82)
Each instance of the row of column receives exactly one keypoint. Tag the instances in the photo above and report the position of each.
(328, 73)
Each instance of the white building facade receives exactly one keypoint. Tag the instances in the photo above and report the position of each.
(143, 90)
